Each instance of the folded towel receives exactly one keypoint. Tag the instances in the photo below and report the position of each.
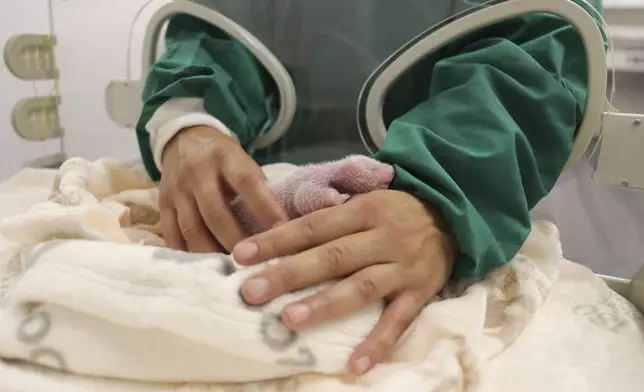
(87, 288)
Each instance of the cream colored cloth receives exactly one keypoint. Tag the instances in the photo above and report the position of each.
(100, 304)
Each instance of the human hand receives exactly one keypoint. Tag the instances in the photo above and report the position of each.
(384, 244)
(203, 170)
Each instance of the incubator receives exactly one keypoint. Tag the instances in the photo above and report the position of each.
(539, 309)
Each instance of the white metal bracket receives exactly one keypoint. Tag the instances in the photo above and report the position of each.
(123, 102)
(621, 162)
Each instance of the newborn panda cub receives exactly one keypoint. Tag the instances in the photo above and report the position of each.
(313, 187)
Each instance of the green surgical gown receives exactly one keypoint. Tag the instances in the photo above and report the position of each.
(481, 129)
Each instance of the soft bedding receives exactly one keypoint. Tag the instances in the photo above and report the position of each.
(91, 300)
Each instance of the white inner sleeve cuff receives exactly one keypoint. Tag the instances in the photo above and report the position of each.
(175, 115)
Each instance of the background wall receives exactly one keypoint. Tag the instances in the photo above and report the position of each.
(93, 43)
(91, 51)
(17, 17)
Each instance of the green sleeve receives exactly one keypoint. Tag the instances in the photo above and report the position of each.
(493, 134)
(202, 61)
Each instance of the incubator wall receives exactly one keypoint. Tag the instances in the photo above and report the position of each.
(603, 227)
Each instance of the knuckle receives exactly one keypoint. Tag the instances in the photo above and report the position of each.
(400, 227)
(368, 209)
(187, 231)
(287, 278)
(333, 258)
(245, 177)
(169, 179)
(221, 155)
(308, 229)
(192, 165)
(190, 175)
(414, 276)
(187, 225)
(382, 240)
(366, 289)
(228, 157)
(206, 189)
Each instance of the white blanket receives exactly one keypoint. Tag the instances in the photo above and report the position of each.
(97, 311)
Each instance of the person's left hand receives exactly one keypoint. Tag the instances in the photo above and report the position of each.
(385, 244)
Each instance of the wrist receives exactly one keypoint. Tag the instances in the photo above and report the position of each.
(176, 117)
(203, 134)
(448, 239)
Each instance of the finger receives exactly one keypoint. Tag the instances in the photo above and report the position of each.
(349, 295)
(194, 231)
(170, 229)
(248, 181)
(332, 260)
(216, 213)
(397, 317)
(300, 234)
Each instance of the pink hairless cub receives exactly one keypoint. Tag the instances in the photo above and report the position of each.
(314, 187)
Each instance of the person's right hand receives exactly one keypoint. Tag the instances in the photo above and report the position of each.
(203, 171)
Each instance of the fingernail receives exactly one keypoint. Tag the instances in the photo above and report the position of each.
(245, 251)
(362, 364)
(298, 313)
(255, 289)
